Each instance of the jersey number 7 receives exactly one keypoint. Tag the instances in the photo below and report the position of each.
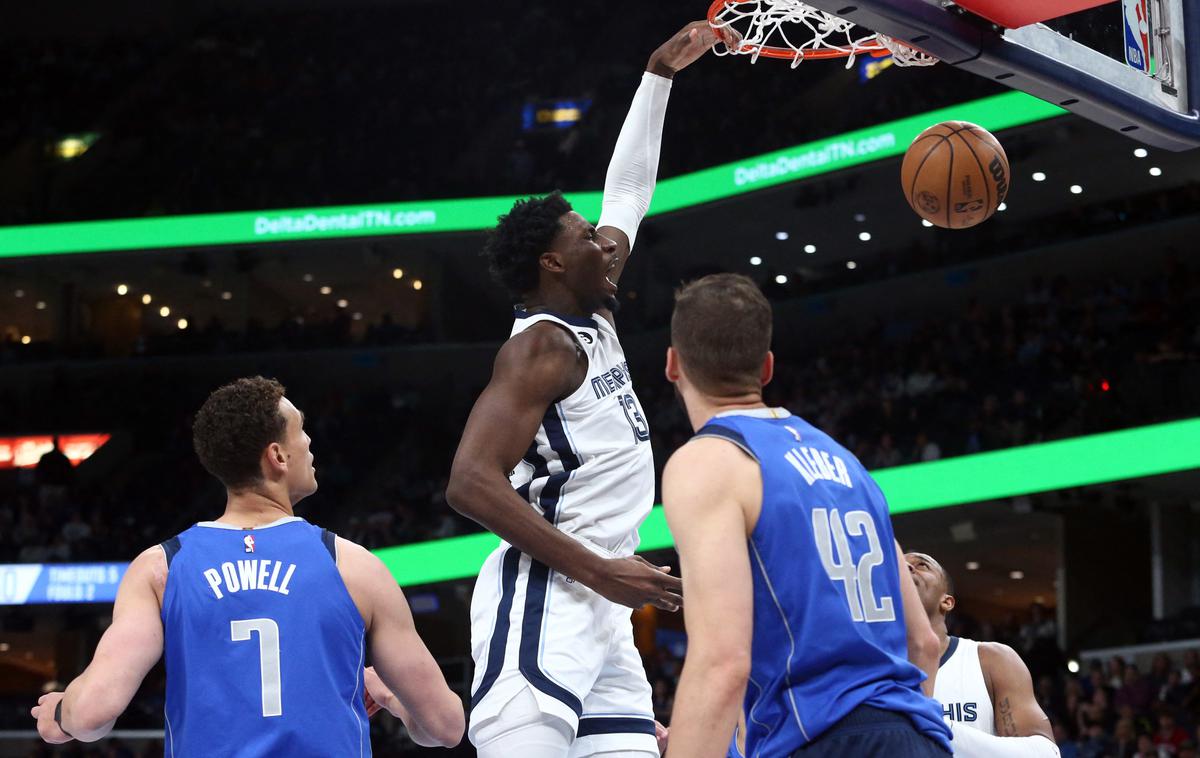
(829, 531)
(268, 659)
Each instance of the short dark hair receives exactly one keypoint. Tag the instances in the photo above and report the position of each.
(519, 239)
(233, 426)
(721, 329)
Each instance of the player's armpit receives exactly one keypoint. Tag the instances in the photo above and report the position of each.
(423, 700)
(125, 654)
(708, 487)
(1017, 711)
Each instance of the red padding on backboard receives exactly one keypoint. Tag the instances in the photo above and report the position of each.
(1012, 14)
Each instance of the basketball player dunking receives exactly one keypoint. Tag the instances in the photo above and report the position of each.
(555, 459)
(985, 688)
(263, 617)
(796, 602)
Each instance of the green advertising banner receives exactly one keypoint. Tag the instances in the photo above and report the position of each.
(1075, 462)
(472, 214)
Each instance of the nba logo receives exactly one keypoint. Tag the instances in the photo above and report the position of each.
(249, 540)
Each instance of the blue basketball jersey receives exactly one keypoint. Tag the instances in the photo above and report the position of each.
(263, 645)
(829, 630)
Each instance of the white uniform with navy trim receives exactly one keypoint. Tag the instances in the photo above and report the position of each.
(590, 472)
(961, 689)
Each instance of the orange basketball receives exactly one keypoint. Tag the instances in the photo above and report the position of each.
(955, 175)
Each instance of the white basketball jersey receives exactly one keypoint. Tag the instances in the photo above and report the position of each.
(960, 687)
(589, 470)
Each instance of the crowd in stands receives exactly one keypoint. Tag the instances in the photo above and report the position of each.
(237, 109)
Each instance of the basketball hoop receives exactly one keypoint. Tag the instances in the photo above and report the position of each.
(792, 30)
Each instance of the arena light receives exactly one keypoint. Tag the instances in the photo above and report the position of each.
(343, 303)
(227, 295)
(26, 339)
(164, 311)
(326, 290)
(122, 289)
(418, 284)
(1001, 208)
(1076, 189)
(972, 565)
(851, 265)
(755, 260)
(41, 305)
(926, 223)
(810, 249)
(1039, 176)
(1140, 152)
(182, 324)
(307, 277)
(864, 236)
(791, 164)
(1073, 666)
(781, 279)
(146, 299)
(1155, 171)
(782, 236)
(397, 273)
(1016, 575)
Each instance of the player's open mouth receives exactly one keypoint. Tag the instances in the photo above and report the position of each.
(611, 283)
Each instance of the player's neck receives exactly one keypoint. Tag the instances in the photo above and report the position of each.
(938, 622)
(250, 509)
(556, 301)
(702, 409)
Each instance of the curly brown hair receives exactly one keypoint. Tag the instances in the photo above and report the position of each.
(233, 426)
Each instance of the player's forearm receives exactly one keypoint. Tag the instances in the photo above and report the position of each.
(972, 743)
(87, 713)
(706, 707)
(633, 170)
(488, 499)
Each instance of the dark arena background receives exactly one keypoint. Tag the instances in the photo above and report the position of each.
(194, 192)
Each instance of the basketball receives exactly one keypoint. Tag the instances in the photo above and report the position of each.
(955, 175)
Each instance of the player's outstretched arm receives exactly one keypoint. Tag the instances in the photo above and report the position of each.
(415, 690)
(924, 649)
(710, 489)
(633, 170)
(1022, 728)
(126, 653)
(533, 371)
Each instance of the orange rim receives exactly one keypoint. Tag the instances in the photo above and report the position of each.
(874, 48)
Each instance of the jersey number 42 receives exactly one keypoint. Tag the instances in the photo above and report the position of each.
(830, 530)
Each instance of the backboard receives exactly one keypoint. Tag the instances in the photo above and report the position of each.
(1126, 64)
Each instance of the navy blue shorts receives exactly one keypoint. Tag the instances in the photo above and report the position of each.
(872, 733)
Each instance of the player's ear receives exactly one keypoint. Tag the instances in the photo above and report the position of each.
(275, 457)
(768, 369)
(672, 369)
(947, 604)
(552, 260)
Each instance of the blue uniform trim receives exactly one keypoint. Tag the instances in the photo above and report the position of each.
(531, 630)
(949, 652)
(170, 548)
(586, 323)
(508, 585)
(329, 540)
(725, 433)
(556, 433)
(590, 725)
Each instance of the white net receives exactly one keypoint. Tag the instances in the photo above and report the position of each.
(791, 30)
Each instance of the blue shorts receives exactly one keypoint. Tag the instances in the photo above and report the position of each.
(872, 733)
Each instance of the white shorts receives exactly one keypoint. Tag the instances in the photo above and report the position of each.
(533, 627)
